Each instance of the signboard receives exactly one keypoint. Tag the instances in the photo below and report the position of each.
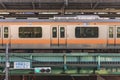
(21, 65)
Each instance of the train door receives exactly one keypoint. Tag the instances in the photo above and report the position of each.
(118, 37)
(58, 37)
(112, 36)
(1, 37)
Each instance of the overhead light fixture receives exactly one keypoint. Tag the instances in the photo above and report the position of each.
(4, 13)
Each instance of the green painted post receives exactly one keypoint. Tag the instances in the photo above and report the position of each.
(65, 66)
(78, 60)
(31, 57)
(98, 66)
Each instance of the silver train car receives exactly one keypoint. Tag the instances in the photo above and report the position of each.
(60, 35)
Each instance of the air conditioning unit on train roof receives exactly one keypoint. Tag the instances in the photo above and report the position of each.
(88, 17)
(64, 17)
(77, 17)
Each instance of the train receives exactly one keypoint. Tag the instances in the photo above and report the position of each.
(60, 34)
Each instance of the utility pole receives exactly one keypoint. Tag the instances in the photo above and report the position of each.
(6, 63)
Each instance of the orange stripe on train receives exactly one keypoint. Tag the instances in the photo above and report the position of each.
(56, 41)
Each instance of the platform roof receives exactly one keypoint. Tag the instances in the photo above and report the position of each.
(49, 8)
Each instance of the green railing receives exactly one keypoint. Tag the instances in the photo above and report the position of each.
(67, 62)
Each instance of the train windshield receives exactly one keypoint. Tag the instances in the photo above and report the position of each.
(86, 32)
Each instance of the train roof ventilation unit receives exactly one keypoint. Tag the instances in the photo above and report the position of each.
(88, 17)
(77, 17)
(64, 17)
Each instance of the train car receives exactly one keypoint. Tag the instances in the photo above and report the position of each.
(60, 35)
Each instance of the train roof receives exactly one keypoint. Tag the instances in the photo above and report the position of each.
(76, 18)
(59, 20)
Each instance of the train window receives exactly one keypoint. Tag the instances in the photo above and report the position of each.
(110, 32)
(62, 32)
(5, 32)
(118, 32)
(30, 32)
(86, 32)
(77, 32)
(54, 32)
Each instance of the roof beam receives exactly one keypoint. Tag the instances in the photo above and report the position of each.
(33, 5)
(3, 5)
(66, 2)
(59, 1)
(96, 4)
(67, 10)
(95, 10)
(44, 16)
